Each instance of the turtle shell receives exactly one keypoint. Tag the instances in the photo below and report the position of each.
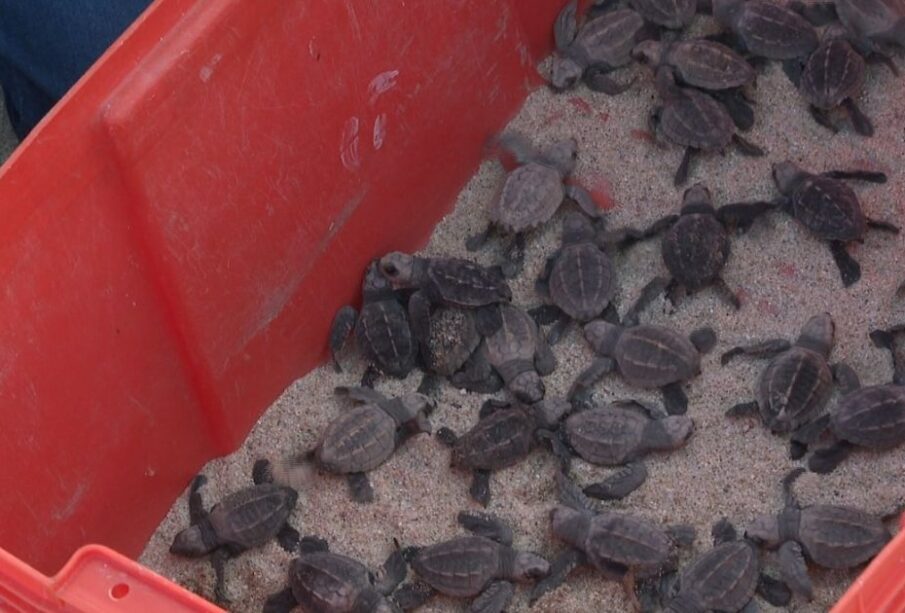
(872, 417)
(326, 581)
(694, 119)
(516, 339)
(708, 65)
(775, 32)
(461, 567)
(695, 249)
(653, 356)
(460, 282)
(622, 539)
(531, 195)
(385, 338)
(829, 208)
(251, 517)
(358, 440)
(608, 40)
(501, 439)
(582, 281)
(793, 389)
(607, 436)
(834, 72)
(453, 339)
(840, 537)
(872, 19)
(672, 14)
(723, 579)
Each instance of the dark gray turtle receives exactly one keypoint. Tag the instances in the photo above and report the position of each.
(828, 535)
(829, 208)
(877, 26)
(579, 279)
(600, 46)
(647, 356)
(363, 437)
(504, 435)
(620, 434)
(695, 244)
(531, 195)
(725, 578)
(796, 385)
(382, 331)
(671, 14)
(482, 567)
(872, 417)
(623, 547)
(833, 77)
(694, 120)
(244, 520)
(332, 583)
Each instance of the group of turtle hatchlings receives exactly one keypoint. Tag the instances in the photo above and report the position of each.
(454, 319)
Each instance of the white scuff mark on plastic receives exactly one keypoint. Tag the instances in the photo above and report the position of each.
(380, 130)
(69, 508)
(353, 19)
(348, 148)
(382, 83)
(207, 71)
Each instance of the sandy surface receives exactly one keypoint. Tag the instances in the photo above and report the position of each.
(729, 468)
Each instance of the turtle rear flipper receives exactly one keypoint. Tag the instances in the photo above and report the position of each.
(826, 460)
(486, 525)
(480, 487)
(564, 564)
(704, 339)
(860, 121)
(218, 561)
(583, 199)
(583, 386)
(392, 573)
(620, 484)
(570, 495)
(597, 80)
(764, 349)
(313, 544)
(343, 324)
(289, 538)
(744, 409)
(723, 532)
(412, 595)
(849, 269)
(746, 147)
(494, 599)
(739, 109)
(774, 591)
(360, 487)
(281, 602)
(795, 570)
(674, 399)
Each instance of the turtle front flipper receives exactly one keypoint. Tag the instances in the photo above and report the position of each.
(597, 80)
(793, 69)
(654, 288)
(795, 570)
(774, 591)
(824, 461)
(196, 504)
(739, 216)
(883, 226)
(477, 375)
(289, 538)
(494, 599)
(281, 602)
(849, 269)
(738, 108)
(620, 484)
(360, 393)
(703, 339)
(744, 409)
(746, 147)
(681, 176)
(476, 241)
(564, 564)
(313, 544)
(392, 573)
(343, 323)
(360, 488)
(583, 199)
(413, 595)
(558, 446)
(514, 257)
(218, 561)
(856, 175)
(807, 435)
(764, 350)
(565, 28)
(886, 339)
(486, 525)
(480, 487)
(674, 398)
(726, 293)
(582, 388)
(860, 121)
(818, 13)
(723, 532)
(544, 360)
(419, 309)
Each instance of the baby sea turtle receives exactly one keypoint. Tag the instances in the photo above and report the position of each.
(382, 331)
(829, 208)
(531, 194)
(504, 435)
(482, 567)
(579, 278)
(877, 25)
(694, 120)
(244, 520)
(832, 77)
(620, 434)
(695, 245)
(622, 546)
(332, 583)
(796, 384)
(647, 356)
(671, 14)
(828, 535)
(452, 339)
(363, 437)
(600, 46)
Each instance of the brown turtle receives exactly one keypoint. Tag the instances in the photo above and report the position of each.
(622, 546)
(694, 120)
(244, 520)
(828, 535)
(482, 567)
(504, 435)
(531, 195)
(828, 207)
(332, 583)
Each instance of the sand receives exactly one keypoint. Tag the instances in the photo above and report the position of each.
(729, 468)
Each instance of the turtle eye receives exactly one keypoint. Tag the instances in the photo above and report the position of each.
(390, 269)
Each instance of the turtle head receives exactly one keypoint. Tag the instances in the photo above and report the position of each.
(549, 411)
(398, 268)
(649, 52)
(570, 525)
(818, 334)
(193, 542)
(375, 283)
(603, 336)
(413, 410)
(527, 387)
(577, 228)
(764, 530)
(836, 31)
(697, 199)
(562, 156)
(669, 432)
(565, 73)
(529, 566)
(787, 175)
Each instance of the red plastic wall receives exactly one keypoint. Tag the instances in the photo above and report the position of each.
(178, 233)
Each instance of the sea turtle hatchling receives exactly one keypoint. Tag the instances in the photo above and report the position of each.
(579, 279)
(622, 546)
(327, 582)
(382, 330)
(828, 207)
(531, 195)
(876, 25)
(692, 119)
(830, 536)
(600, 46)
(243, 520)
(482, 567)
(670, 14)
(361, 438)
(504, 435)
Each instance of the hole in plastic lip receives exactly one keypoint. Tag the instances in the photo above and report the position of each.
(119, 591)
